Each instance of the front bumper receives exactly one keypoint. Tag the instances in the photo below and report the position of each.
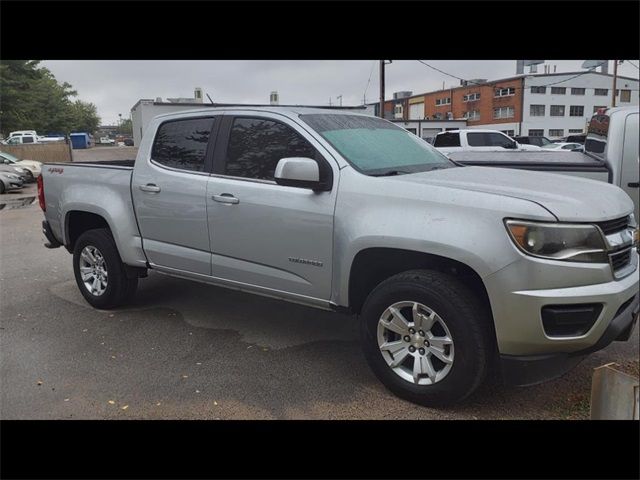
(532, 369)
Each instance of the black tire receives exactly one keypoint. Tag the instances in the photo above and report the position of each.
(1, 188)
(466, 318)
(120, 288)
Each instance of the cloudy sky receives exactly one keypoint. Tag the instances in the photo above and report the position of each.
(115, 86)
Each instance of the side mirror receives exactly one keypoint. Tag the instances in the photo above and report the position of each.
(298, 172)
(511, 145)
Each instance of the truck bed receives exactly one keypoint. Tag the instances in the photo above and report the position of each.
(528, 160)
(105, 163)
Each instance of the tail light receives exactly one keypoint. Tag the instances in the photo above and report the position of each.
(43, 205)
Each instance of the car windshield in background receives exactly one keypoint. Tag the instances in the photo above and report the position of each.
(376, 147)
(11, 158)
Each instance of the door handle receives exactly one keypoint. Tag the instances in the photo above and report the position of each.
(633, 185)
(150, 187)
(226, 198)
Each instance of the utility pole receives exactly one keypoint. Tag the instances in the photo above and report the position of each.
(381, 89)
(340, 97)
(615, 80)
(382, 64)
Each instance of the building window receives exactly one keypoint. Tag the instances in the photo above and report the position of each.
(536, 133)
(511, 133)
(504, 112)
(538, 90)
(556, 132)
(182, 144)
(625, 95)
(536, 110)
(257, 144)
(576, 130)
(505, 92)
(577, 91)
(595, 109)
(443, 101)
(557, 110)
(472, 115)
(576, 111)
(602, 92)
(397, 110)
(471, 97)
(558, 90)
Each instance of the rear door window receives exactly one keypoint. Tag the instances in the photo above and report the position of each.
(477, 139)
(182, 144)
(447, 139)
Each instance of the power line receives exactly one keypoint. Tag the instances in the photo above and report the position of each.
(364, 95)
(629, 61)
(521, 88)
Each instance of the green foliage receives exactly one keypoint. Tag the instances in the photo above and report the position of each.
(125, 127)
(32, 99)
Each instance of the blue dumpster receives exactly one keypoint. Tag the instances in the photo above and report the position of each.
(80, 140)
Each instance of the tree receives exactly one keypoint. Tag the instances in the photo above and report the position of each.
(32, 99)
(125, 127)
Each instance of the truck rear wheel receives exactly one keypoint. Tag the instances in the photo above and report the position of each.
(426, 337)
(99, 271)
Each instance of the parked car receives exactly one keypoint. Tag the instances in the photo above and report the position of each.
(455, 271)
(533, 140)
(9, 182)
(24, 174)
(32, 166)
(21, 139)
(128, 142)
(564, 146)
(476, 139)
(610, 154)
(107, 141)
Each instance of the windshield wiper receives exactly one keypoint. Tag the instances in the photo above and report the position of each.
(389, 173)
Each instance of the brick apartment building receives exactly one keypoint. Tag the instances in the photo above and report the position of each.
(548, 104)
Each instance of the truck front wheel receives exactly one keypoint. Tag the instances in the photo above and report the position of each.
(427, 337)
(99, 271)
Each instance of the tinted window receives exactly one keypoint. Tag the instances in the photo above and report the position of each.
(447, 140)
(256, 145)
(182, 144)
(482, 139)
(27, 139)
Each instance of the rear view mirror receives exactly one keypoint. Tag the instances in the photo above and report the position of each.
(298, 172)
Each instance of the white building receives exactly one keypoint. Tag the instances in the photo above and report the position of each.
(561, 104)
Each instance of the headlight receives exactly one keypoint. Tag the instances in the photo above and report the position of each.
(12, 176)
(18, 169)
(558, 241)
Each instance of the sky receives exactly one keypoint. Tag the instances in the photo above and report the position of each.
(114, 86)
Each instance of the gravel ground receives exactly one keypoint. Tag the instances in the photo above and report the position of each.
(192, 351)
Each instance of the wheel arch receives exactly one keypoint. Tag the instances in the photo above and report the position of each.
(371, 266)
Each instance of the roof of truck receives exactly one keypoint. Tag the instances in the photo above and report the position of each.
(288, 110)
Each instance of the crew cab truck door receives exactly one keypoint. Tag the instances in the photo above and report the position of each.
(630, 167)
(169, 193)
(278, 238)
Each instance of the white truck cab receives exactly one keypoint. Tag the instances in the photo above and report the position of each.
(476, 139)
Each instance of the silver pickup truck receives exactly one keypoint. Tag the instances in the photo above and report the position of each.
(455, 272)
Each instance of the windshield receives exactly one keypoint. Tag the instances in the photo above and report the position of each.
(11, 158)
(375, 146)
(553, 145)
(545, 141)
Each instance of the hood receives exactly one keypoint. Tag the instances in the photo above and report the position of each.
(31, 163)
(570, 199)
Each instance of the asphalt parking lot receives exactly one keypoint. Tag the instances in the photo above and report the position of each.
(184, 350)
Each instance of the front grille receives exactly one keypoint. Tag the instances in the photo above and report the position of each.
(620, 259)
(613, 226)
